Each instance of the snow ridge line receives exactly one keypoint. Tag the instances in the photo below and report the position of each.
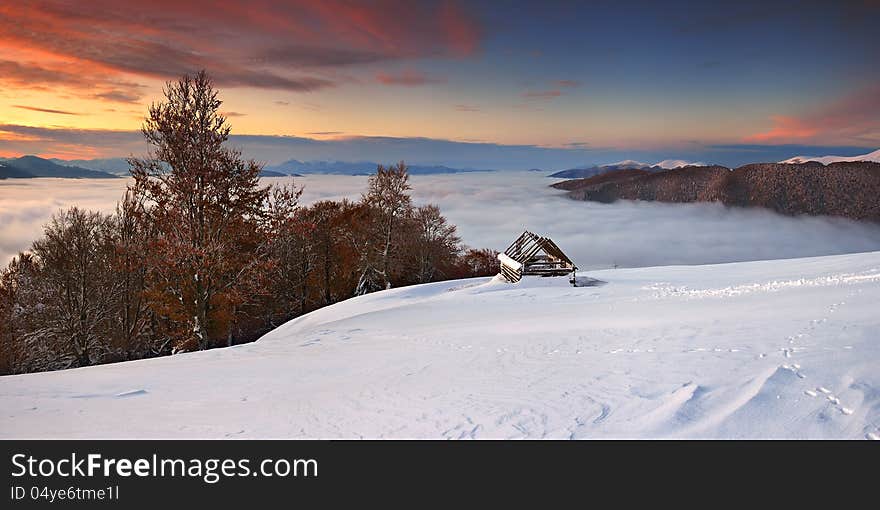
(662, 291)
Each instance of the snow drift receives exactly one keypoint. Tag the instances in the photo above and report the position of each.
(769, 349)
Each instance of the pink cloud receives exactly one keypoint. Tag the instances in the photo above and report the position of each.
(406, 79)
(850, 119)
(784, 129)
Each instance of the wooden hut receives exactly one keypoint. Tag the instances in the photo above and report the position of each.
(531, 254)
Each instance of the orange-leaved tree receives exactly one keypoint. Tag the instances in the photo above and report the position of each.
(207, 207)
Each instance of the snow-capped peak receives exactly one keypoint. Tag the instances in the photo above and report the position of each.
(629, 163)
(677, 163)
(825, 160)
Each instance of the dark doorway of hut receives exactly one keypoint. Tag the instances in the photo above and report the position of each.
(533, 255)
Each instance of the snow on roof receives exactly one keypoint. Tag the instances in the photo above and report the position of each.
(516, 266)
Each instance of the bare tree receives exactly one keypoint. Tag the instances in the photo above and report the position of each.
(437, 245)
(79, 291)
(18, 313)
(289, 236)
(388, 196)
(132, 322)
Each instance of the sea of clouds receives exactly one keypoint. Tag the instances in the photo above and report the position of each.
(492, 208)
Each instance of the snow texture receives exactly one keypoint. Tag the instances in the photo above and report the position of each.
(767, 349)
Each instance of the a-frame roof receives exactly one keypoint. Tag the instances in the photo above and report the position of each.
(528, 244)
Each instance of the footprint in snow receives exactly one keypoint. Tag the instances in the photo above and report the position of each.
(795, 369)
(832, 399)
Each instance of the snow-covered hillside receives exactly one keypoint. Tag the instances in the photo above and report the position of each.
(771, 349)
(827, 160)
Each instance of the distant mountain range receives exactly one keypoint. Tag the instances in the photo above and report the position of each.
(116, 166)
(294, 166)
(841, 188)
(580, 173)
(119, 166)
(272, 173)
(31, 166)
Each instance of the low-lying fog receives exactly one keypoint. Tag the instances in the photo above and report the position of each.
(492, 208)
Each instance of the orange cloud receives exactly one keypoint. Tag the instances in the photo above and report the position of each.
(261, 44)
(12, 136)
(851, 119)
(68, 143)
(83, 80)
(784, 129)
(44, 110)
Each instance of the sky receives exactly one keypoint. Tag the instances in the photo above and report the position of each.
(508, 84)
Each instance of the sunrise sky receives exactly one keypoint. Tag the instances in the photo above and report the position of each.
(580, 79)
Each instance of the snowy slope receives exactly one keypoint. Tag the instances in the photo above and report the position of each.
(826, 160)
(770, 349)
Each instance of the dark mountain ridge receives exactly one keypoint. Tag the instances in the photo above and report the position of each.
(847, 189)
(32, 166)
(595, 180)
(582, 173)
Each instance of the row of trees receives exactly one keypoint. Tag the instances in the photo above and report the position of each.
(198, 254)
